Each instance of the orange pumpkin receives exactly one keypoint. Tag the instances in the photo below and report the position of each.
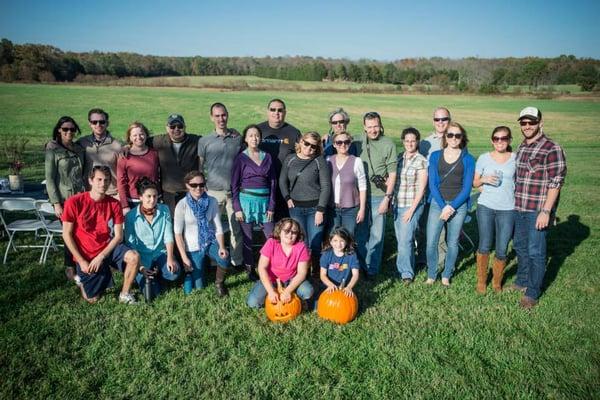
(337, 307)
(283, 312)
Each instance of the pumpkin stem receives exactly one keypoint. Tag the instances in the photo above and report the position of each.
(279, 287)
(342, 284)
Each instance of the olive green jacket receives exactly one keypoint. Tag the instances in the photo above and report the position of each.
(64, 171)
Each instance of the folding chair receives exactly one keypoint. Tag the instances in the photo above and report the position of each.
(54, 227)
(464, 235)
(26, 205)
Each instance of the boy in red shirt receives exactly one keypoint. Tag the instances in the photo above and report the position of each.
(87, 234)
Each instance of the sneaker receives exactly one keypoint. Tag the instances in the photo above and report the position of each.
(527, 303)
(446, 282)
(77, 280)
(127, 298)
(515, 288)
(430, 281)
(407, 281)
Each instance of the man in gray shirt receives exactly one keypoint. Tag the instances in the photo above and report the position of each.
(216, 152)
(433, 142)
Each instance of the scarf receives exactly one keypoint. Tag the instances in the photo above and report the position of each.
(147, 211)
(206, 233)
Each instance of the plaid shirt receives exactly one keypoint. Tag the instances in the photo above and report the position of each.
(541, 165)
(407, 177)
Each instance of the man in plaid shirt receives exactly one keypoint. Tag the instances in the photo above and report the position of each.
(541, 170)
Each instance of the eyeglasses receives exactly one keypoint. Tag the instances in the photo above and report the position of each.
(497, 139)
(443, 119)
(307, 144)
(290, 230)
(277, 110)
(340, 122)
(530, 123)
(176, 126)
(98, 122)
(65, 130)
(341, 142)
(451, 135)
(197, 185)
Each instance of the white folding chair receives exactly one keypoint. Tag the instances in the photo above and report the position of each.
(53, 227)
(464, 235)
(25, 205)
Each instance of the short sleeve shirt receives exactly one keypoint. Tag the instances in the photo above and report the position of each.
(407, 178)
(90, 220)
(497, 197)
(339, 269)
(281, 265)
(217, 154)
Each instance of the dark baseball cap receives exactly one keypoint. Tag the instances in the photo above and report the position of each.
(175, 118)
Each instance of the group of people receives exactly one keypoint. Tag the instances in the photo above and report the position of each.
(321, 202)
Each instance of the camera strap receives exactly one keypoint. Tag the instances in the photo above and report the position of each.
(443, 178)
(301, 170)
(369, 154)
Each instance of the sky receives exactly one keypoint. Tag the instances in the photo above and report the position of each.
(380, 30)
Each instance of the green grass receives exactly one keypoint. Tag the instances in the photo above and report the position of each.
(407, 342)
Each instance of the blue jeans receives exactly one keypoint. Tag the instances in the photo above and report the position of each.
(258, 293)
(405, 236)
(344, 217)
(434, 228)
(500, 222)
(313, 235)
(369, 237)
(164, 274)
(195, 279)
(530, 245)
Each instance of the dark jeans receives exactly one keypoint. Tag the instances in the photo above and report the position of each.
(247, 229)
(344, 217)
(313, 235)
(530, 245)
(494, 222)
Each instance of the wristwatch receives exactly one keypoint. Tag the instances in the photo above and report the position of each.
(546, 211)
(389, 195)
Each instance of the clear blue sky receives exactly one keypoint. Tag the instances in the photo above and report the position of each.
(383, 30)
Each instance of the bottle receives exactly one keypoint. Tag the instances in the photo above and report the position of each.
(188, 283)
(148, 289)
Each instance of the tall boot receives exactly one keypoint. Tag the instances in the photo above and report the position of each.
(498, 274)
(315, 270)
(220, 282)
(482, 267)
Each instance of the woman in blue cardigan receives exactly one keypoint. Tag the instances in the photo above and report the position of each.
(451, 172)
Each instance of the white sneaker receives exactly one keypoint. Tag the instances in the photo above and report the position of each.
(127, 298)
(77, 280)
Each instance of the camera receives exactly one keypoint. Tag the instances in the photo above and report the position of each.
(379, 181)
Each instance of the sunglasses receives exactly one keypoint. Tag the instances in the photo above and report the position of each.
(176, 126)
(197, 185)
(451, 135)
(443, 119)
(497, 139)
(290, 230)
(530, 123)
(341, 142)
(65, 130)
(98, 122)
(340, 122)
(307, 144)
(278, 110)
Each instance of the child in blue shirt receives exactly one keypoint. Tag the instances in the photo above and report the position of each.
(339, 263)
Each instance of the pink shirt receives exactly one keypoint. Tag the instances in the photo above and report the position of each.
(131, 169)
(280, 265)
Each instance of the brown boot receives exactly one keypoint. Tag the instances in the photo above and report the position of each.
(220, 282)
(482, 267)
(498, 274)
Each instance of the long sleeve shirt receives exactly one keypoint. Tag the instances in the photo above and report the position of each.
(467, 180)
(246, 174)
(306, 182)
(149, 239)
(131, 169)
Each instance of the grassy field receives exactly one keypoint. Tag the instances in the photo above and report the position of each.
(407, 342)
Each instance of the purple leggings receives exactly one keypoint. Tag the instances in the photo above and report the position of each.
(247, 231)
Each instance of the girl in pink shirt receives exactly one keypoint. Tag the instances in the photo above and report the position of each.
(285, 257)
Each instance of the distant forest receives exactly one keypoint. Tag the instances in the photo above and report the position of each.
(43, 63)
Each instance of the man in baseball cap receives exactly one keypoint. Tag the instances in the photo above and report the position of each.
(540, 174)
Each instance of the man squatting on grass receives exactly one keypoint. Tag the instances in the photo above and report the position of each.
(87, 234)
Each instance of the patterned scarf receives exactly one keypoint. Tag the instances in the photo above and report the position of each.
(206, 233)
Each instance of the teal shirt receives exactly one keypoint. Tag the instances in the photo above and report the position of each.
(149, 239)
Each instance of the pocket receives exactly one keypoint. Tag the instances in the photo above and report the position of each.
(534, 165)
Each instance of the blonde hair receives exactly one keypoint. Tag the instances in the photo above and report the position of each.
(314, 136)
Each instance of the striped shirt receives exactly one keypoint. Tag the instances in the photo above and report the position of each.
(541, 165)
(407, 180)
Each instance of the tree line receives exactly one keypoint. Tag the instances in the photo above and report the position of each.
(43, 63)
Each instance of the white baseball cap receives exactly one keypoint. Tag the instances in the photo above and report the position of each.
(530, 112)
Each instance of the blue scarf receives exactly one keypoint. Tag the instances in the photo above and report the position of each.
(206, 233)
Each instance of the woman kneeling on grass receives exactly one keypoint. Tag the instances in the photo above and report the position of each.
(284, 257)
(149, 231)
(199, 233)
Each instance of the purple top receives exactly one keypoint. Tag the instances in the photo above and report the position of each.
(247, 175)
